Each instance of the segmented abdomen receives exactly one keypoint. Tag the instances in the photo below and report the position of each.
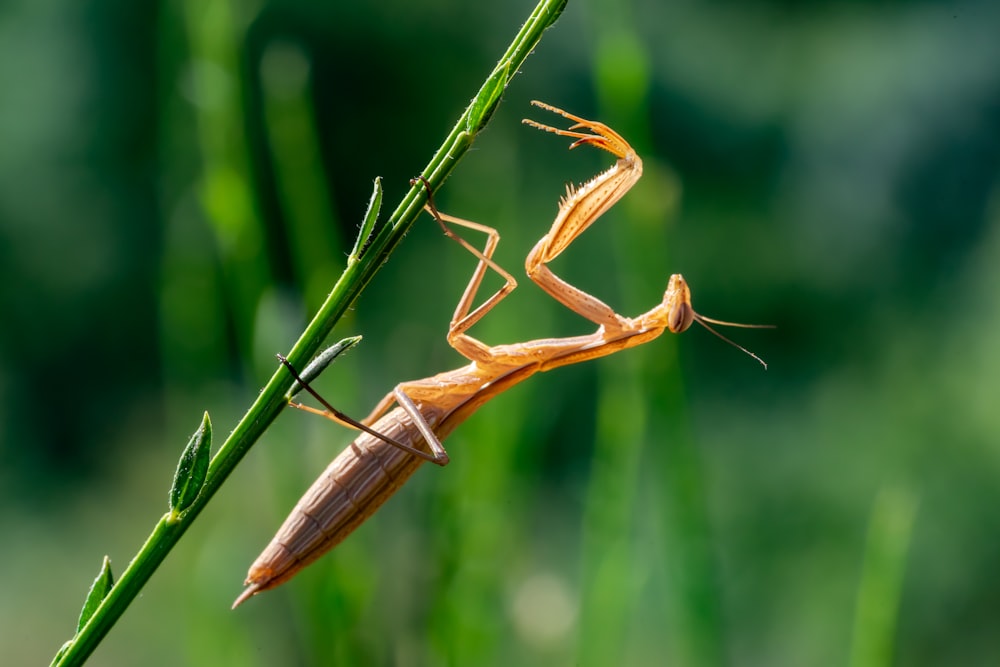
(349, 491)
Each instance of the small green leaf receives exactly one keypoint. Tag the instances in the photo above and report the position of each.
(98, 591)
(322, 360)
(60, 653)
(368, 224)
(488, 98)
(191, 470)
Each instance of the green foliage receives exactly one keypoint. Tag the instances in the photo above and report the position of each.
(192, 469)
(322, 360)
(368, 224)
(489, 97)
(98, 591)
(181, 184)
(197, 479)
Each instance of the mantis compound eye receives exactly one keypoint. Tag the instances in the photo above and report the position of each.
(680, 317)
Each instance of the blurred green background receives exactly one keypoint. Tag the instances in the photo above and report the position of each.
(180, 183)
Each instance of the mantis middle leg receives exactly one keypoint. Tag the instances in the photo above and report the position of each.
(407, 394)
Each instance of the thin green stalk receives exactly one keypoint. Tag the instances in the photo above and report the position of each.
(889, 533)
(352, 281)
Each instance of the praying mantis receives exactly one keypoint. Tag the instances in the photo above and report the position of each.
(394, 443)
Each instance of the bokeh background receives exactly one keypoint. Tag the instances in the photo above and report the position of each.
(180, 183)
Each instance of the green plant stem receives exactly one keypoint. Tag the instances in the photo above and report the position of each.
(890, 530)
(352, 281)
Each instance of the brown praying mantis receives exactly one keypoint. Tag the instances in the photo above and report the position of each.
(394, 443)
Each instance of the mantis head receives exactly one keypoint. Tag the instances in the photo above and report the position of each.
(680, 314)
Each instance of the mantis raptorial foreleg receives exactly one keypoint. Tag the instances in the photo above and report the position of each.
(579, 209)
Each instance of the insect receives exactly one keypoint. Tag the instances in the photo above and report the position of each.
(394, 443)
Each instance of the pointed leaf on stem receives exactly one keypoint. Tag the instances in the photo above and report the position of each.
(368, 224)
(98, 591)
(60, 653)
(191, 470)
(488, 98)
(322, 360)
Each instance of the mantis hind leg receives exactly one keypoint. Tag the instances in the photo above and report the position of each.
(437, 454)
